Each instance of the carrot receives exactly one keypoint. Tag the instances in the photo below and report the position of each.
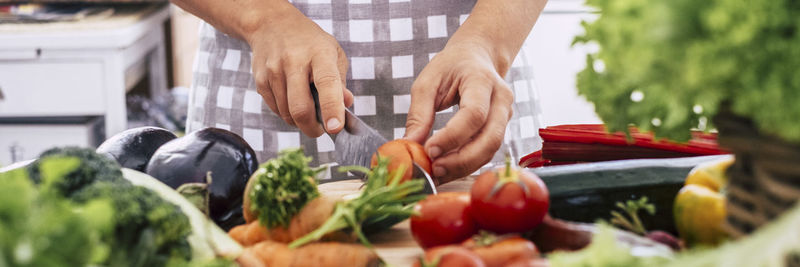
(284, 204)
(498, 251)
(310, 217)
(276, 254)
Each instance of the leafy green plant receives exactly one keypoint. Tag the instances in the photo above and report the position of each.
(668, 65)
(631, 209)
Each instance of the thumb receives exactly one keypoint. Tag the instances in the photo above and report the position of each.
(421, 113)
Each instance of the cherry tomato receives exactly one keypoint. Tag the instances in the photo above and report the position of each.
(509, 200)
(442, 219)
(499, 251)
(403, 152)
(450, 256)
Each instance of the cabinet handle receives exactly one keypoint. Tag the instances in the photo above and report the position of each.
(2, 97)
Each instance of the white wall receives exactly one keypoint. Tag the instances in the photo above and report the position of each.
(556, 62)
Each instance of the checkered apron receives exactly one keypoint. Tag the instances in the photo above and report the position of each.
(388, 43)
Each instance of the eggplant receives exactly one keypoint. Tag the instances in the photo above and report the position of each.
(133, 148)
(214, 152)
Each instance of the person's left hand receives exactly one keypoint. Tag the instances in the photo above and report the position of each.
(465, 74)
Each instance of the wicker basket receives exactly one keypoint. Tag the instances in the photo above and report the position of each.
(765, 179)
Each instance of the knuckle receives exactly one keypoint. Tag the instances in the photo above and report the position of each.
(302, 113)
(475, 115)
(329, 105)
(273, 69)
(447, 139)
(505, 94)
(327, 80)
(495, 138)
(413, 120)
(293, 57)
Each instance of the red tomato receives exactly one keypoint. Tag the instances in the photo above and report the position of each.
(442, 219)
(509, 200)
(403, 152)
(450, 256)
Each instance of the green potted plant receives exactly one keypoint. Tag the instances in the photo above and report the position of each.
(673, 65)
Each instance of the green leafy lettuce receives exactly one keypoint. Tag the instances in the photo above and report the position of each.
(667, 65)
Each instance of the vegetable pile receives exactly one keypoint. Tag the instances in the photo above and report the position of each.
(74, 207)
(285, 212)
(506, 201)
(210, 166)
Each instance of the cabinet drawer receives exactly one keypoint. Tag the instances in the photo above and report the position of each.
(41, 88)
(26, 141)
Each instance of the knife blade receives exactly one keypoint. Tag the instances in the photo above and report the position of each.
(357, 141)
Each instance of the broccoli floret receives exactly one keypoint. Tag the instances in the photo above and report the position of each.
(93, 167)
(147, 231)
(41, 228)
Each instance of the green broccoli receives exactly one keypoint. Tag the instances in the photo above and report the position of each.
(39, 227)
(147, 231)
(93, 167)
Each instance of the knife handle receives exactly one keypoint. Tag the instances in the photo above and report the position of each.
(315, 95)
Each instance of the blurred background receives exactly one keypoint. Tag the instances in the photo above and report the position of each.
(77, 72)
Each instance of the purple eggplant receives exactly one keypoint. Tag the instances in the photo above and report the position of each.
(133, 148)
(218, 153)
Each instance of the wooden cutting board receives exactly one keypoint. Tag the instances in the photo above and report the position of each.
(395, 246)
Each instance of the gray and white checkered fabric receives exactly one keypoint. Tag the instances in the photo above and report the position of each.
(388, 43)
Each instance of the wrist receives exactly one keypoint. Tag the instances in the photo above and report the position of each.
(254, 20)
(480, 44)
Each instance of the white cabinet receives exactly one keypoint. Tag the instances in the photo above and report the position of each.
(26, 141)
(76, 70)
(51, 88)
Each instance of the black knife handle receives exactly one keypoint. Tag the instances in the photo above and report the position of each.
(315, 95)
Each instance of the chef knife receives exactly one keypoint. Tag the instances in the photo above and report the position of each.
(357, 141)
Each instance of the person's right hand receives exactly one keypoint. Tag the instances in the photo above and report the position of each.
(289, 52)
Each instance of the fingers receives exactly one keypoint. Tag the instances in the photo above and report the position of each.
(477, 152)
(261, 77)
(327, 79)
(301, 107)
(271, 85)
(476, 96)
(262, 86)
(422, 111)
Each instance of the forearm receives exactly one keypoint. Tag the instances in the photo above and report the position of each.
(238, 18)
(501, 27)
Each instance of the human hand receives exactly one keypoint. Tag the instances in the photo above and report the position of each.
(289, 52)
(463, 73)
